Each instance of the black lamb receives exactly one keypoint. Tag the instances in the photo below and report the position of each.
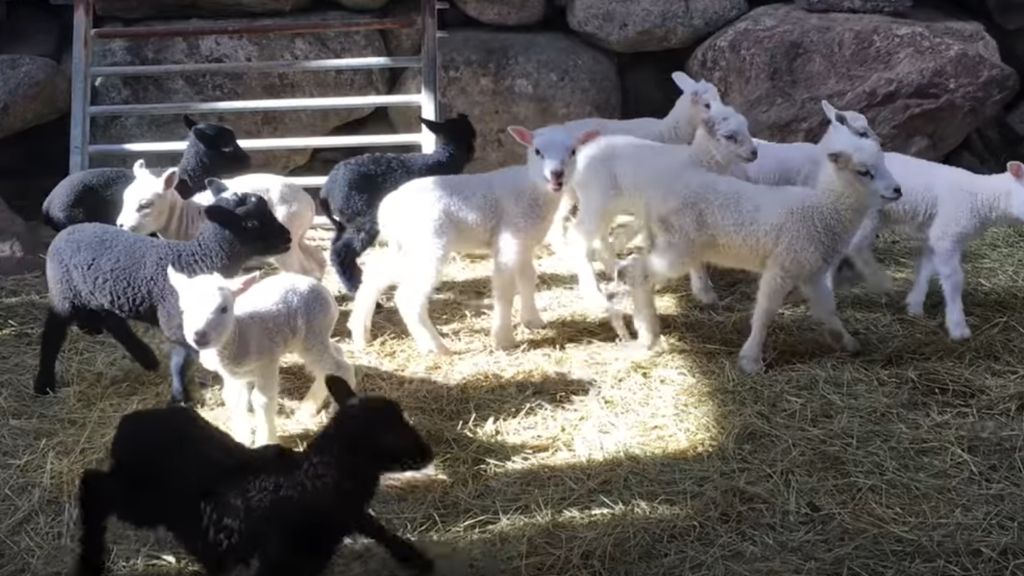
(230, 506)
(355, 187)
(95, 195)
(100, 276)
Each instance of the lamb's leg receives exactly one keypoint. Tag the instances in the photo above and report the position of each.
(951, 277)
(236, 398)
(555, 237)
(636, 275)
(55, 331)
(323, 361)
(121, 332)
(181, 361)
(379, 279)
(862, 257)
(345, 252)
(413, 301)
(94, 506)
(581, 233)
(771, 292)
(822, 303)
(264, 406)
(924, 269)
(403, 551)
(700, 285)
(526, 282)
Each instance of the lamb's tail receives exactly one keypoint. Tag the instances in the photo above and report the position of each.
(95, 505)
(344, 253)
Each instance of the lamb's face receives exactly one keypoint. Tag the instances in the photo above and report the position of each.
(731, 132)
(551, 153)
(145, 204)
(207, 304)
(388, 437)
(1015, 174)
(861, 163)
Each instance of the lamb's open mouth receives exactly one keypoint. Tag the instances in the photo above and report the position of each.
(555, 186)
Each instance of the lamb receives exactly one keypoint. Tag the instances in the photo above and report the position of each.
(230, 507)
(100, 276)
(615, 174)
(152, 206)
(678, 127)
(242, 328)
(355, 187)
(791, 235)
(95, 195)
(947, 207)
(506, 211)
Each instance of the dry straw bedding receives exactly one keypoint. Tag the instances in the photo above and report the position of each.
(574, 455)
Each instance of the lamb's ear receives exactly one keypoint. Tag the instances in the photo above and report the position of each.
(1016, 169)
(216, 186)
(170, 179)
(139, 168)
(224, 217)
(840, 118)
(177, 279)
(683, 81)
(587, 136)
(430, 125)
(207, 139)
(522, 135)
(240, 284)
(840, 159)
(189, 122)
(340, 390)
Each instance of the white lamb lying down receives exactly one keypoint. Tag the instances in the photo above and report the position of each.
(679, 126)
(791, 235)
(615, 174)
(242, 328)
(151, 205)
(947, 207)
(506, 212)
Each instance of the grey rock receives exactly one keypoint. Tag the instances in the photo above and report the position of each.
(33, 91)
(503, 78)
(1006, 14)
(924, 82)
(504, 12)
(648, 25)
(188, 8)
(878, 6)
(31, 29)
(404, 41)
(237, 86)
(362, 4)
(322, 161)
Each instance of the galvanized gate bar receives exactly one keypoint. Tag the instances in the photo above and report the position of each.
(370, 63)
(277, 104)
(263, 27)
(269, 143)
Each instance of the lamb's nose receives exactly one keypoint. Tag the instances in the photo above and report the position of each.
(557, 175)
(200, 337)
(898, 192)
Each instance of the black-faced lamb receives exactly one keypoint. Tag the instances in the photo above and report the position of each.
(355, 187)
(95, 195)
(99, 277)
(231, 507)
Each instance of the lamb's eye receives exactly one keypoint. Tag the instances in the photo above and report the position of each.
(222, 309)
(866, 174)
(537, 152)
(863, 134)
(730, 138)
(145, 205)
(572, 153)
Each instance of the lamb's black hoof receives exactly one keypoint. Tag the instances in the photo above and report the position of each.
(44, 388)
(149, 362)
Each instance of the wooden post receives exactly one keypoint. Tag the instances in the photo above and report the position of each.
(80, 86)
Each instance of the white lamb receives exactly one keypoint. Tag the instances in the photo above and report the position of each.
(151, 205)
(242, 328)
(947, 207)
(791, 235)
(615, 174)
(679, 126)
(506, 212)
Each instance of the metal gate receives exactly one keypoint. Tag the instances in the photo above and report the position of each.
(83, 74)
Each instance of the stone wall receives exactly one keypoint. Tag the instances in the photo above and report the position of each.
(936, 79)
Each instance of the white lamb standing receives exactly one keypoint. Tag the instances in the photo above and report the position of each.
(947, 207)
(791, 235)
(679, 126)
(505, 212)
(152, 206)
(242, 328)
(615, 174)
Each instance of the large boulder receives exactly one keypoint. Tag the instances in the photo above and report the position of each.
(237, 86)
(503, 78)
(648, 25)
(879, 6)
(33, 90)
(923, 82)
(362, 4)
(185, 8)
(504, 12)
